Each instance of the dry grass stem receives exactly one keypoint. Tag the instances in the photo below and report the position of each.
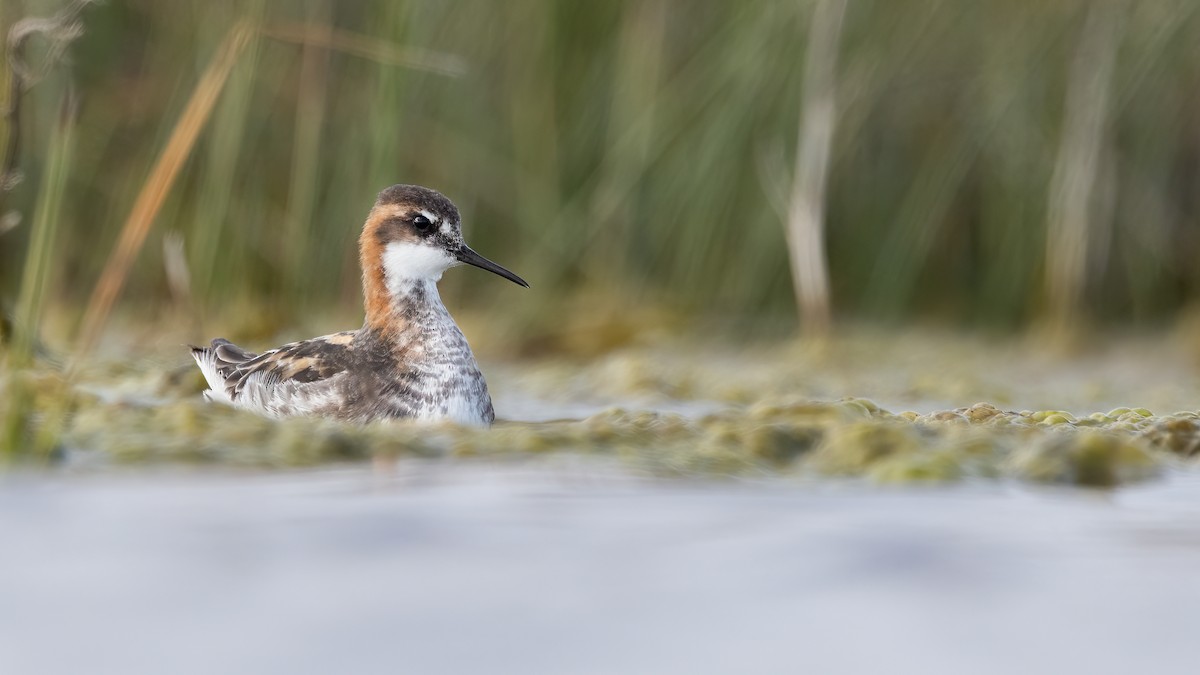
(806, 215)
(162, 177)
(363, 46)
(1071, 217)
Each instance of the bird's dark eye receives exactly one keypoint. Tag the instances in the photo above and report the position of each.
(421, 223)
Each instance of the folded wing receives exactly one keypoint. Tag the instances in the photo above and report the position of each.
(297, 378)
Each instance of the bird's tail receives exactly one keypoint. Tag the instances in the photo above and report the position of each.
(206, 358)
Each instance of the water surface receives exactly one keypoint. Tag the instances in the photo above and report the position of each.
(573, 565)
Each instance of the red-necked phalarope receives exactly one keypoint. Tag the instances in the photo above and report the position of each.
(409, 360)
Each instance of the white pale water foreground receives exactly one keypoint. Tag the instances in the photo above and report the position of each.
(572, 566)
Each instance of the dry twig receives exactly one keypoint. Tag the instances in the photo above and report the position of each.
(60, 31)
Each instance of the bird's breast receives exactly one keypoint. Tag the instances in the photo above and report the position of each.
(437, 378)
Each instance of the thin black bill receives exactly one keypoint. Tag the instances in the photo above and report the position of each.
(466, 255)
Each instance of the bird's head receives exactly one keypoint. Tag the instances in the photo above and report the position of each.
(415, 234)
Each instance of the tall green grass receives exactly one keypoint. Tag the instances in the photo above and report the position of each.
(19, 436)
(643, 149)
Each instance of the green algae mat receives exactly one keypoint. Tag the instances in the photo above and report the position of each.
(773, 411)
(847, 438)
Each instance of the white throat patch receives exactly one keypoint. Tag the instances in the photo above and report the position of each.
(405, 261)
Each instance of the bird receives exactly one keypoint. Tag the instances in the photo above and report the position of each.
(409, 360)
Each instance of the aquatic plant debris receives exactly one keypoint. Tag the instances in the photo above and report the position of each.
(677, 410)
(853, 438)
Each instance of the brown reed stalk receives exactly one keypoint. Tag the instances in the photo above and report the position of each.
(158, 184)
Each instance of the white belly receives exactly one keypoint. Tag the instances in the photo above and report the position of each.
(459, 408)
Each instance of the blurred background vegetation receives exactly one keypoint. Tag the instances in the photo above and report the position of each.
(989, 162)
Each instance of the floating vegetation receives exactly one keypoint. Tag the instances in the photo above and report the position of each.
(852, 438)
(686, 411)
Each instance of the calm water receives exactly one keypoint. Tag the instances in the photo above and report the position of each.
(569, 566)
